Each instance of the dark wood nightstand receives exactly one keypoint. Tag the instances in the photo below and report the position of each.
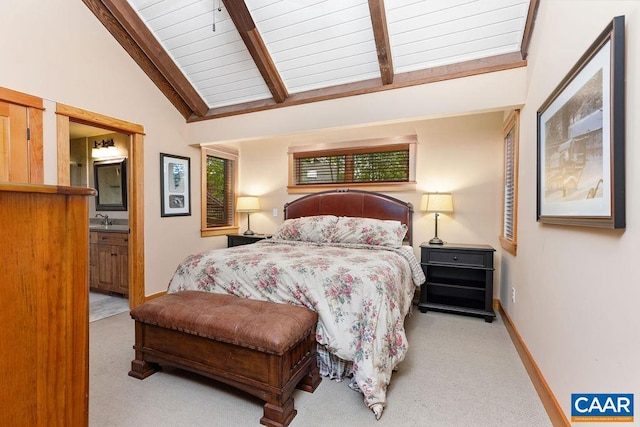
(459, 279)
(241, 239)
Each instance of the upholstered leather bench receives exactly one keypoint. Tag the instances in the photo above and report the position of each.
(264, 348)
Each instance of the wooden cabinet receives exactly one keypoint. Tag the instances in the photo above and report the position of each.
(44, 351)
(459, 279)
(109, 262)
(241, 239)
(21, 158)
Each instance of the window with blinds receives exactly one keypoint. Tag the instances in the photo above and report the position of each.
(371, 162)
(509, 218)
(509, 189)
(219, 184)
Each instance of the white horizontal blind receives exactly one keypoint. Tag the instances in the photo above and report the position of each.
(509, 185)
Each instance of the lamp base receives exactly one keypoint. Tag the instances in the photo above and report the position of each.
(248, 232)
(436, 241)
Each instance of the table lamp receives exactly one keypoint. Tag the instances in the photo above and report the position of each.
(248, 204)
(437, 203)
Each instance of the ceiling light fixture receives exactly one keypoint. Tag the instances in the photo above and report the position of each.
(214, 13)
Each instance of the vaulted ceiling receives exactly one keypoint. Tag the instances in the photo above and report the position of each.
(214, 58)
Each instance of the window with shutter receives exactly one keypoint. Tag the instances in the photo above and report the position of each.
(508, 238)
(373, 164)
(219, 166)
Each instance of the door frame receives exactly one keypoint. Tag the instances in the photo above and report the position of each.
(65, 114)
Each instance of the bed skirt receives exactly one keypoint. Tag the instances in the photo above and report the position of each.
(335, 368)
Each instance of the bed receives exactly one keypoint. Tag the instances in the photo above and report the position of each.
(346, 255)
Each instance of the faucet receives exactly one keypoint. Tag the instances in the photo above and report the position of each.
(105, 219)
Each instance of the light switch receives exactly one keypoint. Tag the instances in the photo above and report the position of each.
(275, 211)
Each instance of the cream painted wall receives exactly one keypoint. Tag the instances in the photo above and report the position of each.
(468, 146)
(58, 50)
(82, 65)
(577, 288)
(481, 93)
(461, 154)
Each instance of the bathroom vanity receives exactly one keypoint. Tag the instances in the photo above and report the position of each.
(109, 259)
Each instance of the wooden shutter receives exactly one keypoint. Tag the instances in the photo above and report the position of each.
(21, 157)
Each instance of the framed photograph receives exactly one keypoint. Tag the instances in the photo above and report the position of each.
(581, 139)
(175, 185)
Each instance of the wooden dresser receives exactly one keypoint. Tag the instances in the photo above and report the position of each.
(44, 363)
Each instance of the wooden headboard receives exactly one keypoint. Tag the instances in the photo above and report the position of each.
(353, 203)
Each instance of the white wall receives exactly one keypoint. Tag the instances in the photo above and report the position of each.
(577, 288)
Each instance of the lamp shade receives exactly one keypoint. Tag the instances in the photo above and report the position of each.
(437, 202)
(248, 204)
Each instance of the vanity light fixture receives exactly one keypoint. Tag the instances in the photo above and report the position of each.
(104, 149)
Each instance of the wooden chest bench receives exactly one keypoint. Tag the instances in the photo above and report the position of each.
(266, 349)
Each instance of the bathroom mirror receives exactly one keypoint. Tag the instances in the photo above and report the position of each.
(110, 179)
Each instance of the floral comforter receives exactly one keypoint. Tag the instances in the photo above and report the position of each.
(361, 294)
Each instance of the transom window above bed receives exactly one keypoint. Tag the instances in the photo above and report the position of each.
(220, 172)
(373, 164)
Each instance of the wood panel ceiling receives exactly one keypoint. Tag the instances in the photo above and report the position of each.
(214, 58)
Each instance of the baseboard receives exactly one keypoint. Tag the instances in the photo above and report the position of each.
(554, 411)
(154, 296)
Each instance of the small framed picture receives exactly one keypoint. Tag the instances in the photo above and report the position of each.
(175, 185)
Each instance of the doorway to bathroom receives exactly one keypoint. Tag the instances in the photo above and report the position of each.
(98, 159)
(127, 138)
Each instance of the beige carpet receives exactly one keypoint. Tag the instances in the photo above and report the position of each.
(460, 371)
